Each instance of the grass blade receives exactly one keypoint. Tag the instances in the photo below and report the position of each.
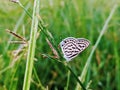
(84, 72)
(32, 44)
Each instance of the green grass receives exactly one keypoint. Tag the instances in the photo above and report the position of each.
(61, 18)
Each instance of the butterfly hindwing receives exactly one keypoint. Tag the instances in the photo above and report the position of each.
(82, 43)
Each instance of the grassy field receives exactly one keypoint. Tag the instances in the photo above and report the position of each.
(29, 61)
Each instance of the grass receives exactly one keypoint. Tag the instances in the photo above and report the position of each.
(58, 20)
(32, 45)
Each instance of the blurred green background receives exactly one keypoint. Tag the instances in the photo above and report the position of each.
(62, 18)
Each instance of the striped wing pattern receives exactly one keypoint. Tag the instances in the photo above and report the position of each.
(71, 47)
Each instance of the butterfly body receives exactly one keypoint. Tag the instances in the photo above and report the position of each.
(71, 47)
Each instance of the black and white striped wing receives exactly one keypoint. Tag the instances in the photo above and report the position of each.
(71, 47)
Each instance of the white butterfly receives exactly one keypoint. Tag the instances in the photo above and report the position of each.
(71, 47)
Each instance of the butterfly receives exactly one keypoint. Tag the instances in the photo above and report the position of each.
(71, 47)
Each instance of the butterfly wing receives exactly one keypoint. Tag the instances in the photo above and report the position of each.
(69, 48)
(82, 44)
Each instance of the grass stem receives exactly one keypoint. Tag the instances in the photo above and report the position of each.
(86, 67)
(32, 44)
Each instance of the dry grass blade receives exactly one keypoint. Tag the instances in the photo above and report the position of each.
(16, 35)
(53, 50)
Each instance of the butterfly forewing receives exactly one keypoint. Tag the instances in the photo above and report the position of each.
(71, 47)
